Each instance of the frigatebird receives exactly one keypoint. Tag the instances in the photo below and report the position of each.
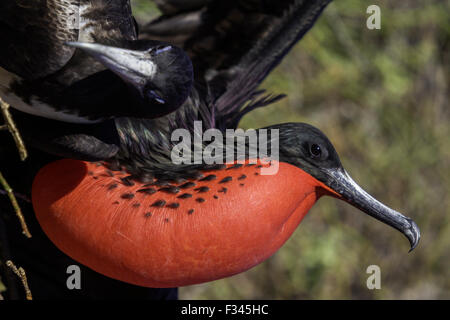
(81, 62)
(140, 218)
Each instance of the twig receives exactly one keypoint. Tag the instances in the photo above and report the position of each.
(20, 272)
(15, 205)
(11, 127)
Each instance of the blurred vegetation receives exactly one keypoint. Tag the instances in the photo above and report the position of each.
(381, 96)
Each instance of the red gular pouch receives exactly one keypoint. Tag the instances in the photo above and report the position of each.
(223, 223)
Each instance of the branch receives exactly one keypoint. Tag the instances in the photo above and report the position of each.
(15, 205)
(11, 127)
(20, 272)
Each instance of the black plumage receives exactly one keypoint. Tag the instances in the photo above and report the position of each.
(81, 61)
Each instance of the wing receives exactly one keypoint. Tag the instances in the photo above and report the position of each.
(33, 32)
(220, 34)
(234, 45)
(172, 7)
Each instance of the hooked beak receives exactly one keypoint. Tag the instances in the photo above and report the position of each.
(134, 67)
(347, 189)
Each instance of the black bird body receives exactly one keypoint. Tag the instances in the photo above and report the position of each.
(42, 75)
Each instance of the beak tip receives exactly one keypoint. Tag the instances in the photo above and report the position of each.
(413, 235)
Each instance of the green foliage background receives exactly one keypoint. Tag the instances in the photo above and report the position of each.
(381, 96)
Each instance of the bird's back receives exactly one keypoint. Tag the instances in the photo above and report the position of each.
(39, 73)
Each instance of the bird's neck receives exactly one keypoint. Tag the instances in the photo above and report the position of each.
(155, 146)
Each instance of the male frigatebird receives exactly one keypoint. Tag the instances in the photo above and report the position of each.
(81, 62)
(142, 219)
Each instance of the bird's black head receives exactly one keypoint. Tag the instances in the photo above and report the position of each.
(159, 74)
(307, 148)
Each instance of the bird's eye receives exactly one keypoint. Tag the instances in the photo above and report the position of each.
(315, 150)
(159, 49)
(162, 49)
(153, 95)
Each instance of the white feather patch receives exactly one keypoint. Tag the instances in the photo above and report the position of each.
(36, 108)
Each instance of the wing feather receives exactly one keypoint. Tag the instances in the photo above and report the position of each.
(33, 32)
